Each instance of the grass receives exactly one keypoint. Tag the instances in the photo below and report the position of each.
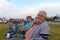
(54, 33)
(3, 30)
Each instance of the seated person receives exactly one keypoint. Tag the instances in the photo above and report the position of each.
(11, 30)
(41, 31)
(27, 25)
(31, 28)
(10, 34)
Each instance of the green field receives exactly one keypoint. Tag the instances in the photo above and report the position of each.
(54, 34)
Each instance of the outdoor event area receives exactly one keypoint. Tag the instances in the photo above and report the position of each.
(29, 19)
(54, 31)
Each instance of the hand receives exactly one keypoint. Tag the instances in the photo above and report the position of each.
(27, 39)
(23, 27)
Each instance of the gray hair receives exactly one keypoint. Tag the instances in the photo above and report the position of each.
(43, 12)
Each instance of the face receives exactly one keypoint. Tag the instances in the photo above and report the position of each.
(40, 18)
(29, 19)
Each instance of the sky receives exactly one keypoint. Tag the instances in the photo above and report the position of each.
(23, 8)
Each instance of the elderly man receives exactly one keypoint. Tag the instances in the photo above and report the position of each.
(41, 31)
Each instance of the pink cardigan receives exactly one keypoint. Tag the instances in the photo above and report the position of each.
(27, 35)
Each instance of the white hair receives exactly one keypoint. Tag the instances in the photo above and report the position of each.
(44, 13)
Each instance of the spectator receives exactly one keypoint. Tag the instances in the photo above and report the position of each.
(11, 30)
(41, 31)
(27, 25)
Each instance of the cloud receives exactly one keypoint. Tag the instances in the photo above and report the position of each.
(50, 5)
(4, 5)
(51, 9)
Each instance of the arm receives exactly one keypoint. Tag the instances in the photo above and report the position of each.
(43, 33)
(42, 36)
